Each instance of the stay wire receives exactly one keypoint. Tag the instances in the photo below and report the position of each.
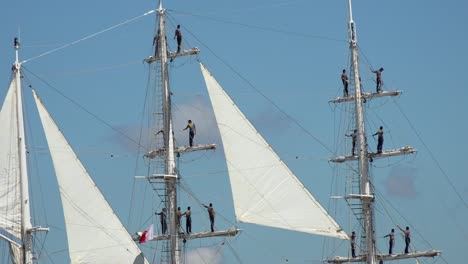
(259, 27)
(436, 162)
(84, 109)
(89, 36)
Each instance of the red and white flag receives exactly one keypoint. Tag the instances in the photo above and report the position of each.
(147, 234)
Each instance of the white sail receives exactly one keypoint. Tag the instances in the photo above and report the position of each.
(16, 254)
(265, 191)
(10, 184)
(95, 234)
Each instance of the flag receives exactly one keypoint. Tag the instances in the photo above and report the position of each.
(147, 234)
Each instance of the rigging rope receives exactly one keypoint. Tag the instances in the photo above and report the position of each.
(89, 36)
(260, 27)
(85, 110)
(449, 180)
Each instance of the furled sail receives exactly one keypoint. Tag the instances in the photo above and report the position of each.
(10, 182)
(95, 234)
(265, 191)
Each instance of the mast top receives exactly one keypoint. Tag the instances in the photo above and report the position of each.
(16, 45)
(352, 28)
(160, 5)
(350, 11)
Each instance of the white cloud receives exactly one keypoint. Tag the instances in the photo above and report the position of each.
(400, 182)
(204, 256)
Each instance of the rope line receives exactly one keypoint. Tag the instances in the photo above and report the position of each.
(260, 27)
(86, 110)
(436, 162)
(89, 36)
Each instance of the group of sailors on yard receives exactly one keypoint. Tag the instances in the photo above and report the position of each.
(188, 219)
(391, 241)
(378, 81)
(380, 140)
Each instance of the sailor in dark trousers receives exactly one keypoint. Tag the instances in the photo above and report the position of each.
(407, 238)
(188, 221)
(378, 75)
(353, 244)
(344, 79)
(391, 241)
(354, 138)
(178, 35)
(379, 139)
(163, 221)
(211, 214)
(192, 131)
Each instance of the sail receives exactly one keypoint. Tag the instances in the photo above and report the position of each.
(95, 234)
(265, 191)
(10, 183)
(16, 254)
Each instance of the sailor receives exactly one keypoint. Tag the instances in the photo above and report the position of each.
(391, 241)
(344, 79)
(378, 75)
(407, 238)
(211, 214)
(192, 131)
(156, 41)
(16, 42)
(188, 221)
(179, 216)
(379, 139)
(178, 35)
(353, 137)
(353, 244)
(163, 220)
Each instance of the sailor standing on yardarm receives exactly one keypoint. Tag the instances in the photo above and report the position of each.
(211, 214)
(391, 241)
(407, 238)
(192, 131)
(379, 139)
(353, 244)
(178, 35)
(188, 221)
(354, 138)
(378, 76)
(163, 221)
(344, 79)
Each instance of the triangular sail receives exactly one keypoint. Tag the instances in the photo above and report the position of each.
(10, 183)
(16, 254)
(95, 234)
(265, 191)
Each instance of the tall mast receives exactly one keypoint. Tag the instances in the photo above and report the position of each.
(365, 184)
(169, 150)
(170, 174)
(25, 210)
(366, 195)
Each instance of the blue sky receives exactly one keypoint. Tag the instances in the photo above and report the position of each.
(290, 51)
